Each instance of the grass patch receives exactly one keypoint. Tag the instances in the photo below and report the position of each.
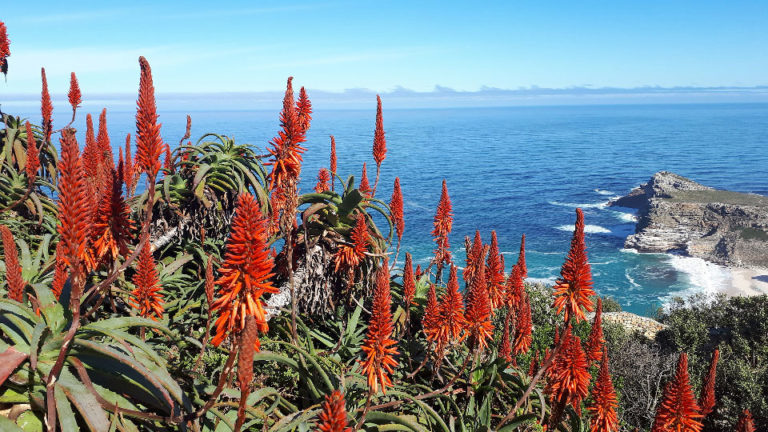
(720, 196)
(753, 234)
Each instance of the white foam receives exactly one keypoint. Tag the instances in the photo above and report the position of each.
(605, 192)
(625, 217)
(575, 205)
(631, 279)
(591, 229)
(701, 276)
(629, 251)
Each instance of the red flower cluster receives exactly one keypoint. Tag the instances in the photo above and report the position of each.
(146, 296)
(112, 224)
(707, 397)
(521, 259)
(286, 149)
(678, 410)
(246, 272)
(379, 347)
(396, 209)
(431, 321)
(73, 203)
(5, 48)
(74, 95)
(365, 186)
(574, 288)
(452, 320)
(323, 177)
(494, 272)
(46, 108)
(379, 141)
(333, 161)
(350, 256)
(303, 110)
(745, 424)
(149, 144)
(604, 402)
(524, 327)
(505, 349)
(409, 281)
(333, 417)
(13, 276)
(442, 227)
(478, 312)
(596, 341)
(568, 377)
(33, 157)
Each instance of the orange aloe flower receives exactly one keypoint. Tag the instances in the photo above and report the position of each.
(473, 248)
(452, 321)
(505, 349)
(478, 311)
(128, 168)
(146, 297)
(323, 177)
(5, 48)
(494, 273)
(286, 149)
(333, 417)
(431, 320)
(524, 326)
(304, 110)
(112, 225)
(515, 287)
(409, 281)
(521, 259)
(365, 186)
(442, 227)
(13, 276)
(73, 203)
(534, 366)
(602, 410)
(379, 348)
(106, 157)
(245, 274)
(33, 156)
(707, 397)
(379, 141)
(333, 161)
(596, 341)
(46, 108)
(351, 256)
(568, 377)
(574, 288)
(149, 144)
(746, 423)
(74, 95)
(678, 410)
(91, 156)
(396, 209)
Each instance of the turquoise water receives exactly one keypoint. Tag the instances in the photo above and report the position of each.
(524, 170)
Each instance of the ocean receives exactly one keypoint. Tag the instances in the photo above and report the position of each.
(525, 170)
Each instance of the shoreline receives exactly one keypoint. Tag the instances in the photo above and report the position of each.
(747, 282)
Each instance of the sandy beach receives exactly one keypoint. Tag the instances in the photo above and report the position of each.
(747, 282)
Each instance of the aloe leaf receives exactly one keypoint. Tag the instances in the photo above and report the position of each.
(64, 411)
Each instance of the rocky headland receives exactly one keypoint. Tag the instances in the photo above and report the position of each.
(676, 214)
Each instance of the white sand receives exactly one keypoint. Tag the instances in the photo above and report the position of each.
(747, 282)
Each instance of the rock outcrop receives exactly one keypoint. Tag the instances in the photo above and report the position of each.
(679, 215)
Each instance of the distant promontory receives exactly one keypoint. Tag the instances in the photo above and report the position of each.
(677, 214)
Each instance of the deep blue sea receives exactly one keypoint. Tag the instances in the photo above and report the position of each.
(525, 170)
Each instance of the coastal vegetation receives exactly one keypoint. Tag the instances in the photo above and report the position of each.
(194, 287)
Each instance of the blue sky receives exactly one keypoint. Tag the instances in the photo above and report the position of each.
(331, 46)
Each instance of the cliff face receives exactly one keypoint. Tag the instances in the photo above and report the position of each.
(679, 215)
